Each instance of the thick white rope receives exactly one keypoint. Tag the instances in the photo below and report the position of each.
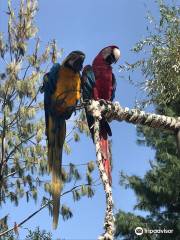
(109, 217)
(113, 111)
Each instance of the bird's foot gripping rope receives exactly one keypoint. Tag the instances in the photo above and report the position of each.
(95, 110)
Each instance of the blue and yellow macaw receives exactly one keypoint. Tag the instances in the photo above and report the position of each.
(61, 89)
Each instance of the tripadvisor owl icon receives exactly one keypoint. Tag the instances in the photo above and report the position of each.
(139, 231)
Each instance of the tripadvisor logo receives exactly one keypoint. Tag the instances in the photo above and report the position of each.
(139, 231)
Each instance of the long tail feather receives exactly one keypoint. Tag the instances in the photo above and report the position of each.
(56, 139)
(105, 150)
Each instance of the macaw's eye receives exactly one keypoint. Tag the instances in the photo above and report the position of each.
(78, 57)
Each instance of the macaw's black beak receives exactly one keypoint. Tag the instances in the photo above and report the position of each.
(113, 57)
(78, 63)
(110, 59)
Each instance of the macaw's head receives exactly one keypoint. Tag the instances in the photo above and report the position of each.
(110, 54)
(74, 61)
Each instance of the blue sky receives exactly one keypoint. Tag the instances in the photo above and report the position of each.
(89, 26)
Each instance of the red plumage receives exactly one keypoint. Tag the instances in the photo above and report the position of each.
(103, 76)
(105, 151)
(103, 90)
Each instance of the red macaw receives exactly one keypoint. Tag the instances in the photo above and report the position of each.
(98, 82)
(61, 89)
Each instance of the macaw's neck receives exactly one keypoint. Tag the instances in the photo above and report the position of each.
(99, 61)
(101, 68)
(69, 71)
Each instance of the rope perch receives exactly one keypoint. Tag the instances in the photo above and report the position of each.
(109, 217)
(113, 111)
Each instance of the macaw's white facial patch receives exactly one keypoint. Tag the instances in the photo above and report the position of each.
(106, 52)
(116, 53)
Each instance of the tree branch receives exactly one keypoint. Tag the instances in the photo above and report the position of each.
(13, 173)
(40, 209)
(17, 146)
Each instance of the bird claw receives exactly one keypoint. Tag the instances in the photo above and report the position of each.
(103, 101)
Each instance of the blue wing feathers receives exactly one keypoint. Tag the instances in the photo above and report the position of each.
(49, 86)
(88, 82)
(50, 79)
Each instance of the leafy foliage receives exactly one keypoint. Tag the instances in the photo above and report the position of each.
(21, 124)
(23, 153)
(160, 63)
(38, 235)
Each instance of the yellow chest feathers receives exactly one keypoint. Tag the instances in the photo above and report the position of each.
(67, 91)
